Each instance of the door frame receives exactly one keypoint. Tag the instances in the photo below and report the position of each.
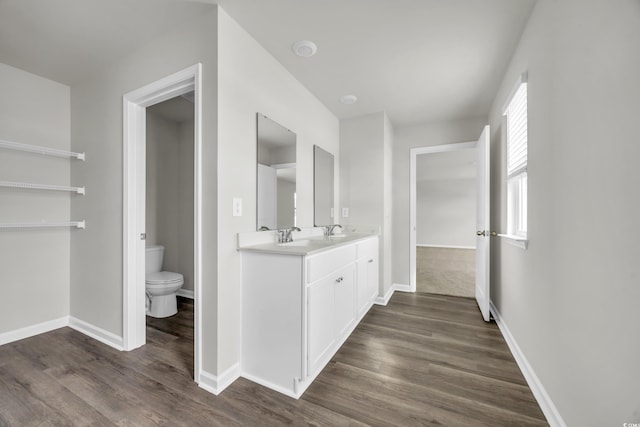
(415, 152)
(134, 180)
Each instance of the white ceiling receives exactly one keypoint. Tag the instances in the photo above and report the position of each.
(418, 60)
(64, 40)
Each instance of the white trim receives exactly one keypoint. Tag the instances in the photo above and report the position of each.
(384, 300)
(216, 384)
(81, 326)
(414, 153)
(542, 397)
(287, 392)
(134, 122)
(402, 288)
(33, 330)
(185, 293)
(446, 246)
(96, 333)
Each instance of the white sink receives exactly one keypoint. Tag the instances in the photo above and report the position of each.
(337, 236)
(296, 243)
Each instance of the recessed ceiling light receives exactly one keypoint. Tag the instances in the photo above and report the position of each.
(304, 48)
(348, 99)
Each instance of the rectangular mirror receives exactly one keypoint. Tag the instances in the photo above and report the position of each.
(276, 186)
(322, 187)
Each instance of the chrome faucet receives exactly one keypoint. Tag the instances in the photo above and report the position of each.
(285, 236)
(263, 228)
(329, 229)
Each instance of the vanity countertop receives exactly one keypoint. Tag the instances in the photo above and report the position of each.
(307, 245)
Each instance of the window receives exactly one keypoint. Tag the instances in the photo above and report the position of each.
(517, 138)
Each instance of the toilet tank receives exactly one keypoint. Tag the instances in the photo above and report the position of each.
(153, 258)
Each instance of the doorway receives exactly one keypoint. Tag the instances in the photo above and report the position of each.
(169, 224)
(481, 148)
(135, 106)
(446, 222)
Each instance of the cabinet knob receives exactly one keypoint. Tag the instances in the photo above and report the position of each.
(370, 260)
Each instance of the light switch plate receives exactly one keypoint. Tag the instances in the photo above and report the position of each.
(237, 206)
(345, 212)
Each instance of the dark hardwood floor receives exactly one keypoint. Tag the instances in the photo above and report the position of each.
(422, 360)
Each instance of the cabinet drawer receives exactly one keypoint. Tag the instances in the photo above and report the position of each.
(368, 249)
(325, 263)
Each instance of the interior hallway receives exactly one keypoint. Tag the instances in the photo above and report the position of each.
(422, 360)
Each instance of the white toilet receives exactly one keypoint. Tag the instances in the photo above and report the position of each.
(161, 286)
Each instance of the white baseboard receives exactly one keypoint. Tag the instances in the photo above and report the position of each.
(273, 386)
(30, 331)
(544, 400)
(384, 300)
(186, 293)
(96, 333)
(402, 288)
(216, 384)
(446, 246)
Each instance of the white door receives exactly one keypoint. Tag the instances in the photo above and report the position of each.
(482, 223)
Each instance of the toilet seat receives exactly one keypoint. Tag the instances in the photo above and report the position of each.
(163, 278)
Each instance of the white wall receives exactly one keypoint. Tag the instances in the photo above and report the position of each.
(251, 81)
(96, 108)
(571, 299)
(365, 169)
(34, 264)
(406, 138)
(446, 213)
(169, 207)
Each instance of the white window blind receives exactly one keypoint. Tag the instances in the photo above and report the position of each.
(516, 114)
(517, 141)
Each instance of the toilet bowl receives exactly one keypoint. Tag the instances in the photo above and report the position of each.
(161, 286)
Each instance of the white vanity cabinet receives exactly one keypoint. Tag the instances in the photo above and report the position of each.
(331, 299)
(298, 309)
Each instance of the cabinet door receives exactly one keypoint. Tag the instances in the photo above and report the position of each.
(320, 320)
(367, 285)
(345, 299)
(372, 276)
(362, 286)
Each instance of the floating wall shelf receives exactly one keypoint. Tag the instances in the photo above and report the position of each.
(40, 150)
(48, 152)
(77, 224)
(26, 185)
